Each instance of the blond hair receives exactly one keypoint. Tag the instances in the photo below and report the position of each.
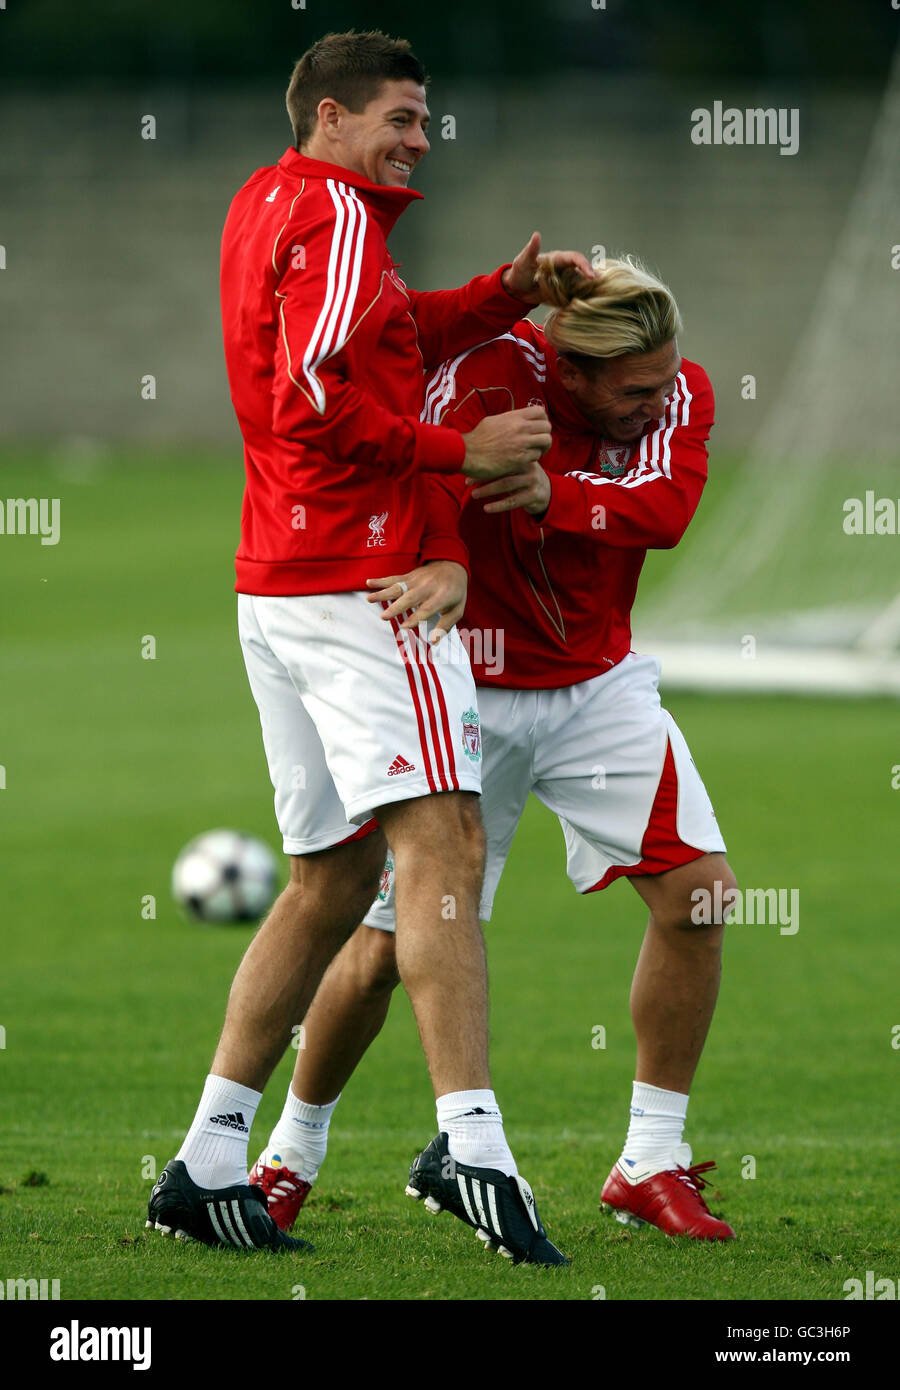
(621, 309)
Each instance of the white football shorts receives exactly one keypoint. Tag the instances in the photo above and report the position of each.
(355, 713)
(608, 760)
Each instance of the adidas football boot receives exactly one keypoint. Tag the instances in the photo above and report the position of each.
(285, 1191)
(232, 1216)
(669, 1199)
(500, 1208)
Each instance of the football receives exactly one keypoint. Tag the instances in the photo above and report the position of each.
(225, 876)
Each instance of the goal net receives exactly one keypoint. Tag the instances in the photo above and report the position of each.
(793, 581)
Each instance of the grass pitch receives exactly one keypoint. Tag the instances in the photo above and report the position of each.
(112, 761)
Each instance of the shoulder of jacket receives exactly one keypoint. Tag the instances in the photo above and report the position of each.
(696, 377)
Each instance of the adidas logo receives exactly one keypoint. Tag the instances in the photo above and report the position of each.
(231, 1122)
(400, 765)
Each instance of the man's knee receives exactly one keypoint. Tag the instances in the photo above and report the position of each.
(343, 880)
(713, 893)
(465, 830)
(449, 822)
(694, 897)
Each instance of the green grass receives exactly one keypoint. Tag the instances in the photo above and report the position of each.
(112, 762)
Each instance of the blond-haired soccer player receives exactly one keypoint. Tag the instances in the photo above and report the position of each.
(556, 552)
(325, 347)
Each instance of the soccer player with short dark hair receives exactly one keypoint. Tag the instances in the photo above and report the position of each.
(368, 739)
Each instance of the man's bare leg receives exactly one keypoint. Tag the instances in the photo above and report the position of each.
(437, 847)
(282, 968)
(676, 980)
(673, 996)
(273, 987)
(440, 955)
(437, 844)
(346, 1015)
(343, 1020)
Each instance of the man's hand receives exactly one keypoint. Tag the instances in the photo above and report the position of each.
(518, 280)
(501, 444)
(529, 488)
(439, 587)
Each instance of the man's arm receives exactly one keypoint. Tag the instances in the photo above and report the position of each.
(452, 321)
(314, 399)
(439, 584)
(449, 322)
(440, 538)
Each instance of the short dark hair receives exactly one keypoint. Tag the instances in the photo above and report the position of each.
(351, 68)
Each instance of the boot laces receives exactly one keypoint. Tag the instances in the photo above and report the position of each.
(691, 1176)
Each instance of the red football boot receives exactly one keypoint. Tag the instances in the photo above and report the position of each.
(285, 1191)
(668, 1199)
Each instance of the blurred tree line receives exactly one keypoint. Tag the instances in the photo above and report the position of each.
(187, 40)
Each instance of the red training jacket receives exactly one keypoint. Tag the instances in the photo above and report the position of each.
(550, 601)
(326, 350)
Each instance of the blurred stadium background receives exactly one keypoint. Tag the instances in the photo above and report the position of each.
(567, 117)
(577, 121)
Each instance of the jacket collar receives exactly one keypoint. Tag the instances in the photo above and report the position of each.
(386, 203)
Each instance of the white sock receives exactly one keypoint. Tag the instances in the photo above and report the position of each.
(657, 1125)
(215, 1147)
(300, 1138)
(474, 1128)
